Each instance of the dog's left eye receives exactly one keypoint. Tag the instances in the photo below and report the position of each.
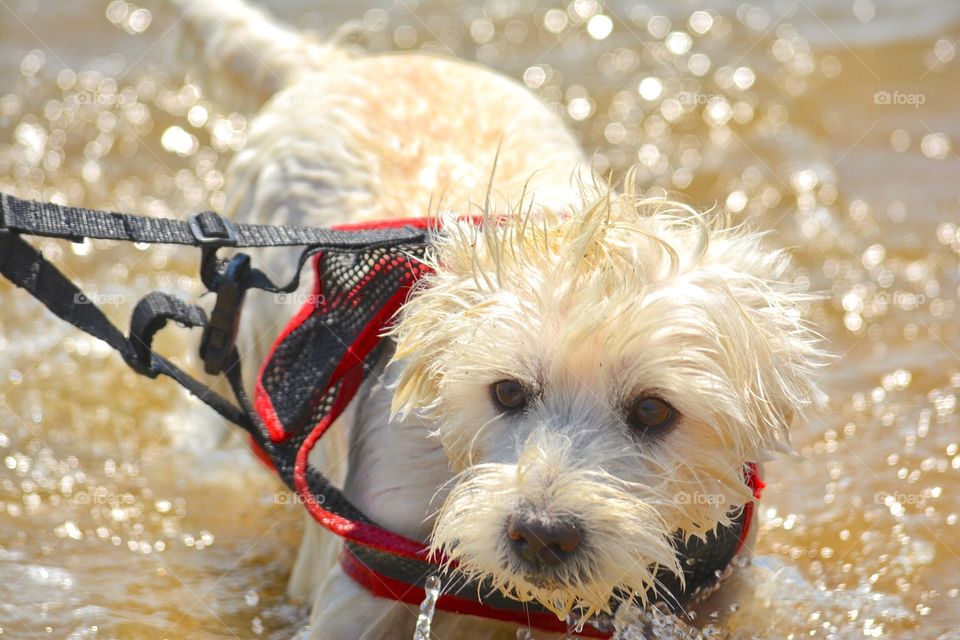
(510, 395)
(650, 412)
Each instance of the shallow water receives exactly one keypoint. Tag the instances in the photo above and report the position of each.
(830, 123)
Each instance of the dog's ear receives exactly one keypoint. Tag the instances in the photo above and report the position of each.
(726, 301)
(774, 353)
(466, 267)
(433, 316)
(733, 314)
(417, 386)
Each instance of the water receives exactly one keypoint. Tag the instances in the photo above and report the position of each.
(831, 123)
(427, 608)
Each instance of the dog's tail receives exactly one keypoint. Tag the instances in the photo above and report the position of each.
(241, 55)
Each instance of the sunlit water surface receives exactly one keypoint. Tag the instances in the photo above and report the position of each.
(832, 124)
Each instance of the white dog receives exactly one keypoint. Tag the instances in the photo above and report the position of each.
(568, 372)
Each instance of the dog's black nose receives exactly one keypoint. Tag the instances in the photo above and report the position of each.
(541, 541)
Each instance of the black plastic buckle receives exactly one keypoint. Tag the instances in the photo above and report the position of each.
(209, 228)
(220, 334)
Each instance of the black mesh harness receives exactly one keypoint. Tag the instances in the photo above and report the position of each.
(364, 273)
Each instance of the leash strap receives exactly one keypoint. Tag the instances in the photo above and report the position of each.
(25, 267)
(201, 230)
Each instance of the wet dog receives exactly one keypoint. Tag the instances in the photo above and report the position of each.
(583, 375)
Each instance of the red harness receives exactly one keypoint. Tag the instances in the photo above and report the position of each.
(385, 563)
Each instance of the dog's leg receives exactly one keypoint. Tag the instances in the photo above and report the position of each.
(343, 610)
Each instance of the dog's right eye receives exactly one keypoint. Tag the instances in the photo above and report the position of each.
(651, 413)
(509, 395)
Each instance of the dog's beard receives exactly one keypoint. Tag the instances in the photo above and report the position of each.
(625, 541)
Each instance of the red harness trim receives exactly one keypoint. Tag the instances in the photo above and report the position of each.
(757, 485)
(261, 399)
(349, 375)
(385, 587)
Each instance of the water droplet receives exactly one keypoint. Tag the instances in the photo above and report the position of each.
(900, 140)
(555, 20)
(864, 10)
(197, 116)
(650, 88)
(580, 108)
(32, 62)
(736, 201)
(658, 26)
(744, 77)
(873, 256)
(117, 11)
(534, 77)
(482, 31)
(179, 141)
(698, 64)
(599, 27)
(427, 608)
(71, 530)
(139, 20)
(700, 22)
(679, 42)
(935, 145)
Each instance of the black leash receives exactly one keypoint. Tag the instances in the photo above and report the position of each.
(228, 279)
(206, 229)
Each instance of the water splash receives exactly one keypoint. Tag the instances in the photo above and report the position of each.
(600, 622)
(427, 608)
(657, 623)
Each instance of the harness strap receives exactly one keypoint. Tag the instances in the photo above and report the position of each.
(151, 315)
(206, 229)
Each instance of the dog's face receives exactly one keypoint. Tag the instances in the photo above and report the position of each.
(599, 383)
